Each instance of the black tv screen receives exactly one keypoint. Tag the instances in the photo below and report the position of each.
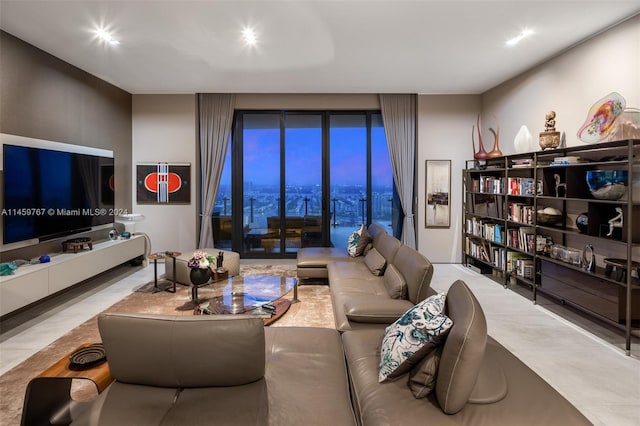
(50, 193)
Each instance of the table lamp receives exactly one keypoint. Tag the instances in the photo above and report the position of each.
(129, 221)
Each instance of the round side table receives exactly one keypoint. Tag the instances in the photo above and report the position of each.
(163, 255)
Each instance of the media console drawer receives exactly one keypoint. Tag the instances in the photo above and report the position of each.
(590, 292)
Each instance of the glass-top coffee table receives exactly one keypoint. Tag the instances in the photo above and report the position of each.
(251, 294)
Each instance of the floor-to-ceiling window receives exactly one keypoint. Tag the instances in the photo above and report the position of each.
(302, 178)
(347, 174)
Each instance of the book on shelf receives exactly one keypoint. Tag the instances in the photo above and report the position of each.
(524, 186)
(478, 249)
(564, 161)
(514, 260)
(520, 212)
(491, 184)
(527, 239)
(521, 162)
(522, 238)
(524, 268)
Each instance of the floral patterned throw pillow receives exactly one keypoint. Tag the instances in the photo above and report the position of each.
(416, 333)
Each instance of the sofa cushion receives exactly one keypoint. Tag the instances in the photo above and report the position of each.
(357, 242)
(387, 246)
(375, 309)
(163, 350)
(463, 350)
(417, 272)
(394, 283)
(413, 336)
(374, 230)
(375, 262)
(422, 377)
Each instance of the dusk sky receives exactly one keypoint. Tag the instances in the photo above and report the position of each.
(304, 153)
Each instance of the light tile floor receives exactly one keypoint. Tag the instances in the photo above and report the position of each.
(592, 373)
(591, 370)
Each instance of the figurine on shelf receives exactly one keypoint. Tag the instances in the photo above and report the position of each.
(559, 185)
(219, 259)
(550, 122)
(550, 138)
(615, 222)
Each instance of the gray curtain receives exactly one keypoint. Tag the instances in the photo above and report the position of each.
(215, 115)
(399, 117)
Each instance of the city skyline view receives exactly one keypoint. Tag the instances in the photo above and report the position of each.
(349, 144)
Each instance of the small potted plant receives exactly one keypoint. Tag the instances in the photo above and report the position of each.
(200, 265)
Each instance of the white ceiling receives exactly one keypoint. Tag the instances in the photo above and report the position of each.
(315, 46)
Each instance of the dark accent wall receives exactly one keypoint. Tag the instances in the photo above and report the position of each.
(43, 97)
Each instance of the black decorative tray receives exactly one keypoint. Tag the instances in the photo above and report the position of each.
(88, 356)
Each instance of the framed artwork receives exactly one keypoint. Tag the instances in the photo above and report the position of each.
(437, 193)
(163, 183)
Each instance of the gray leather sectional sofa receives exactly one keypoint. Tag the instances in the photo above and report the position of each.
(477, 380)
(231, 370)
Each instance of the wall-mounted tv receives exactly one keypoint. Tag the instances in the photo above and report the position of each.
(51, 189)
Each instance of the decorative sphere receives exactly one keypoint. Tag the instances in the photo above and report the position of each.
(582, 222)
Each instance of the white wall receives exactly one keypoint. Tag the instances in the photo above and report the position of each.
(568, 84)
(164, 129)
(444, 133)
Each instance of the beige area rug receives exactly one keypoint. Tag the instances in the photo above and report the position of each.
(313, 310)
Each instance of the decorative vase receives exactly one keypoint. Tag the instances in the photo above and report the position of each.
(495, 152)
(523, 141)
(199, 276)
(481, 154)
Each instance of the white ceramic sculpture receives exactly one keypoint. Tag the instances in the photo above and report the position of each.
(523, 142)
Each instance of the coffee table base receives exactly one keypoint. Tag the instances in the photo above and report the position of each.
(282, 306)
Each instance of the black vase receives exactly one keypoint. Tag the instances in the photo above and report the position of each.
(200, 276)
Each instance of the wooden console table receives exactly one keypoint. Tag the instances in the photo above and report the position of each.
(48, 396)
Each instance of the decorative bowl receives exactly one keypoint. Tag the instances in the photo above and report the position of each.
(607, 184)
(548, 216)
(548, 219)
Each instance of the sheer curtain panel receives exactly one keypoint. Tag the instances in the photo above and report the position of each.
(215, 116)
(399, 117)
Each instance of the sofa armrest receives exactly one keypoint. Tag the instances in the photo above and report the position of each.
(376, 309)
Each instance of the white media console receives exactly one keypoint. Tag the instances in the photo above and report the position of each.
(31, 283)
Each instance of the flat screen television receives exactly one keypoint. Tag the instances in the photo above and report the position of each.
(51, 190)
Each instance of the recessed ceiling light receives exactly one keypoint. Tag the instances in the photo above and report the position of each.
(515, 40)
(106, 36)
(249, 37)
